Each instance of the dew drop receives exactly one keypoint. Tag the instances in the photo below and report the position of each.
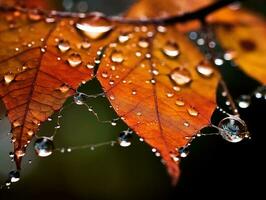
(229, 55)
(218, 61)
(9, 78)
(124, 138)
(143, 43)
(14, 176)
(169, 94)
(44, 146)
(161, 29)
(64, 88)
(181, 76)
(20, 153)
(117, 57)
(104, 74)
(79, 99)
(34, 16)
(113, 123)
(95, 27)
(175, 158)
(260, 92)
(123, 38)
(176, 88)
(244, 101)
(179, 103)
(74, 60)
(63, 46)
(205, 70)
(186, 124)
(183, 151)
(171, 49)
(11, 155)
(192, 112)
(134, 92)
(85, 45)
(233, 129)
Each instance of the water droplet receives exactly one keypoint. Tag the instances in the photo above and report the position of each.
(155, 72)
(14, 176)
(233, 129)
(218, 61)
(123, 38)
(117, 57)
(176, 88)
(20, 153)
(186, 124)
(64, 88)
(74, 60)
(193, 35)
(143, 43)
(113, 123)
(16, 124)
(200, 41)
(9, 78)
(69, 150)
(104, 74)
(171, 49)
(169, 94)
(44, 146)
(94, 27)
(124, 138)
(192, 112)
(260, 92)
(79, 99)
(175, 158)
(183, 151)
(244, 101)
(153, 81)
(205, 70)
(161, 29)
(181, 76)
(138, 54)
(85, 45)
(229, 55)
(134, 92)
(179, 103)
(34, 16)
(11, 155)
(63, 46)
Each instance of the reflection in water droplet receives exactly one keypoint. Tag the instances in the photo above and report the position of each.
(244, 101)
(233, 129)
(79, 98)
(205, 70)
(171, 49)
(44, 146)
(117, 57)
(124, 138)
(192, 112)
(95, 27)
(183, 151)
(63, 46)
(9, 78)
(181, 76)
(14, 176)
(74, 60)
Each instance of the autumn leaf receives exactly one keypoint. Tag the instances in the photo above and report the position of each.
(43, 61)
(161, 86)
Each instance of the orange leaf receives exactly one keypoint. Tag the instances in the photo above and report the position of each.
(43, 61)
(160, 85)
(243, 35)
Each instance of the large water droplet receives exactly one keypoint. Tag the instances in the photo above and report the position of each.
(233, 129)
(123, 38)
(117, 57)
(124, 138)
(63, 46)
(181, 76)
(14, 176)
(171, 49)
(205, 70)
(244, 101)
(179, 102)
(9, 78)
(74, 60)
(94, 27)
(44, 146)
(79, 99)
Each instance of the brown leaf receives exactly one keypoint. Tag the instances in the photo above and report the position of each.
(43, 61)
(160, 85)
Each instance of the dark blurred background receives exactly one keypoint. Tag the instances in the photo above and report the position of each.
(214, 167)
